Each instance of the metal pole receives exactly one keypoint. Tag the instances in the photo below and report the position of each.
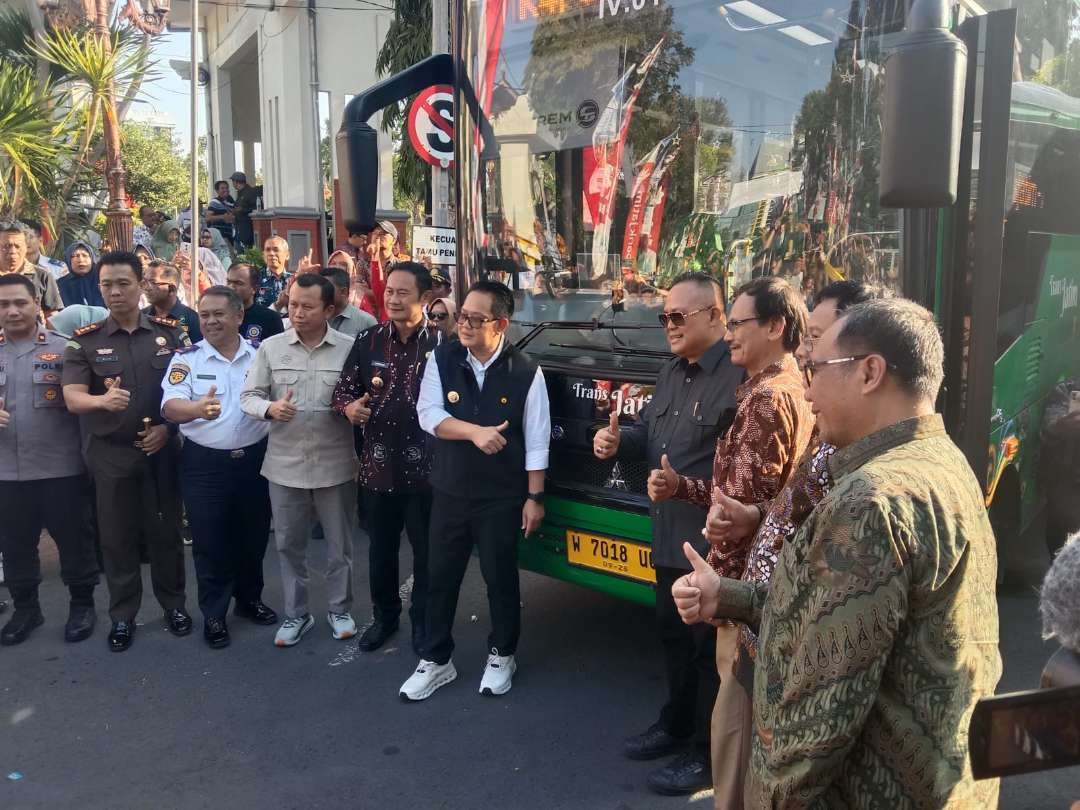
(194, 154)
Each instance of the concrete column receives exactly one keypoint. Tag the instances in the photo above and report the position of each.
(249, 161)
(221, 115)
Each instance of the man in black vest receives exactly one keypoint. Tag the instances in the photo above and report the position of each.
(486, 404)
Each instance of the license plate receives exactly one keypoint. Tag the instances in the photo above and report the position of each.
(619, 557)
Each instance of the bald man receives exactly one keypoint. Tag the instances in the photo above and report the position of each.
(275, 276)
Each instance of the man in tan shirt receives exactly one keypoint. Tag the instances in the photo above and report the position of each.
(310, 461)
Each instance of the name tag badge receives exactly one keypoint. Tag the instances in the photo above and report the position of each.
(380, 364)
(206, 376)
(111, 358)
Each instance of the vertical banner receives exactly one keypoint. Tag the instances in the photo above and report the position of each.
(490, 28)
(609, 140)
(653, 170)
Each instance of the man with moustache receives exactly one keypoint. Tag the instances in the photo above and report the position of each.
(228, 504)
(274, 280)
(378, 391)
(112, 379)
(259, 322)
(881, 608)
(161, 285)
(753, 462)
(42, 477)
(14, 247)
(691, 408)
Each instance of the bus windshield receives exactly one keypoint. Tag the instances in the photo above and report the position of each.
(641, 139)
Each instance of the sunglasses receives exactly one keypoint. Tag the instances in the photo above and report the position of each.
(474, 321)
(677, 318)
(438, 316)
(811, 367)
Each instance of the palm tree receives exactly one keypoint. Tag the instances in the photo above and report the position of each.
(29, 142)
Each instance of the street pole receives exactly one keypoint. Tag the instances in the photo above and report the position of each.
(441, 214)
(194, 154)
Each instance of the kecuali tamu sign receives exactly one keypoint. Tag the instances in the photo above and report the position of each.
(437, 244)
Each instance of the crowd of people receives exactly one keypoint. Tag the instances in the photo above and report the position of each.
(825, 567)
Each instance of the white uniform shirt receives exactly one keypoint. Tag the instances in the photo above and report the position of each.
(536, 420)
(190, 375)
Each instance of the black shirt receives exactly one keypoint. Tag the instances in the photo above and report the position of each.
(692, 407)
(186, 317)
(260, 323)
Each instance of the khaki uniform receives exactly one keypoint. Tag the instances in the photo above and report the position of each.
(138, 496)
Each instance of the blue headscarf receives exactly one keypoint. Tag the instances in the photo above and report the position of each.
(81, 289)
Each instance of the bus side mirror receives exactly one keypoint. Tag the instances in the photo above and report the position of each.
(922, 111)
(357, 146)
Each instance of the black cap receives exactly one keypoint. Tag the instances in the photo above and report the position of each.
(439, 277)
(238, 176)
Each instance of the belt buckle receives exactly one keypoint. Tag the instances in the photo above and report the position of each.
(237, 453)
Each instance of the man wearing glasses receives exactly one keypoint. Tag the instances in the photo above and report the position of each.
(753, 462)
(486, 404)
(162, 288)
(881, 607)
(691, 408)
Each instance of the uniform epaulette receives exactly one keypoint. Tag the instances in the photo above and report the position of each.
(86, 330)
(160, 321)
(187, 349)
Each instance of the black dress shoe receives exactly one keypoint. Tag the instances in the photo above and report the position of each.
(121, 635)
(417, 639)
(256, 611)
(654, 743)
(80, 623)
(376, 635)
(687, 773)
(21, 625)
(216, 633)
(178, 621)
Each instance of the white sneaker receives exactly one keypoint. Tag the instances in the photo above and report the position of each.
(342, 624)
(498, 675)
(428, 677)
(292, 630)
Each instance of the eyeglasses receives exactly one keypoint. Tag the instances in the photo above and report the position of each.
(677, 318)
(475, 321)
(733, 325)
(810, 367)
(438, 316)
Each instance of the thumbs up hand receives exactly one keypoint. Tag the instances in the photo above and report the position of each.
(663, 482)
(490, 440)
(210, 405)
(5, 417)
(357, 411)
(115, 398)
(729, 521)
(697, 594)
(606, 440)
(282, 410)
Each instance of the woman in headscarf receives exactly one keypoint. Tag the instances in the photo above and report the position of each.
(80, 286)
(443, 313)
(213, 241)
(167, 240)
(357, 283)
(145, 254)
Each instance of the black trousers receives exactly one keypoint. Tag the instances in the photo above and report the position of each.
(690, 656)
(138, 497)
(59, 505)
(387, 514)
(228, 511)
(493, 526)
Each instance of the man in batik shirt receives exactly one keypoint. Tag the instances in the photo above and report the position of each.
(880, 630)
(753, 462)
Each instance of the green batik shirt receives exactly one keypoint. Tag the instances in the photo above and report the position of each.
(879, 634)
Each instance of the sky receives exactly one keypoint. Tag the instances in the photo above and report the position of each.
(169, 93)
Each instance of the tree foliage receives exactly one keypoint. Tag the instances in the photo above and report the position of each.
(157, 172)
(29, 146)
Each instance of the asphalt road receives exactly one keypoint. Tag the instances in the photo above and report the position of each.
(173, 724)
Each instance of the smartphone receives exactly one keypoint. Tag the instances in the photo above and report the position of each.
(1074, 402)
(1025, 732)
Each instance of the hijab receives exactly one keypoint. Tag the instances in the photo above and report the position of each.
(81, 289)
(218, 246)
(162, 247)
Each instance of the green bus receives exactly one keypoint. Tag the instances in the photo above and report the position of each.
(604, 146)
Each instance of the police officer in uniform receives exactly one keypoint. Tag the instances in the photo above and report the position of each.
(42, 477)
(228, 503)
(112, 378)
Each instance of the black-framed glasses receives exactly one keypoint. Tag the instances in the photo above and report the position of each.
(810, 367)
(735, 324)
(438, 316)
(475, 321)
(677, 318)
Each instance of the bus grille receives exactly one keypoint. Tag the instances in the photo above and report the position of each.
(582, 471)
(1033, 363)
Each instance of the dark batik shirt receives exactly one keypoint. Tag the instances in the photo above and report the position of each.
(396, 455)
(270, 287)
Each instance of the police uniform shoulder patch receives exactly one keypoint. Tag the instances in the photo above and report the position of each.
(86, 330)
(178, 373)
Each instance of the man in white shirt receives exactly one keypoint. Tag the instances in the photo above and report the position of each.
(228, 505)
(486, 404)
(310, 461)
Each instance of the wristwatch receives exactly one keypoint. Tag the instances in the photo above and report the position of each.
(536, 496)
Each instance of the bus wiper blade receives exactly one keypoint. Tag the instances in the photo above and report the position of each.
(613, 350)
(591, 326)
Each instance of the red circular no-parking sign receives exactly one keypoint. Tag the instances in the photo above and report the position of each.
(431, 125)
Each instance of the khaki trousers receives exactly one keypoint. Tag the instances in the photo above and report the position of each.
(731, 725)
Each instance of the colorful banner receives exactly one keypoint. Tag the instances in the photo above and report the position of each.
(609, 140)
(640, 221)
(490, 28)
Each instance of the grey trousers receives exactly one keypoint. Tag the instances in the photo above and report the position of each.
(294, 510)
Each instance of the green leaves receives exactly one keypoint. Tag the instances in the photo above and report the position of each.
(29, 142)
